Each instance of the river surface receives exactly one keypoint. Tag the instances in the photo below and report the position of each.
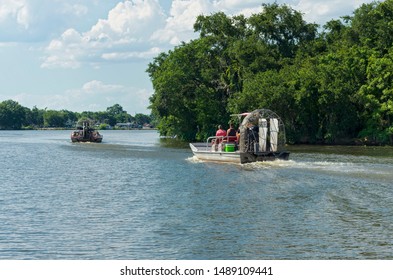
(136, 196)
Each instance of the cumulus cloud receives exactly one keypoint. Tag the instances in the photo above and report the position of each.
(179, 24)
(36, 20)
(133, 30)
(125, 34)
(122, 56)
(89, 97)
(76, 9)
(321, 11)
(140, 29)
(15, 10)
(235, 7)
(98, 86)
(93, 96)
(183, 13)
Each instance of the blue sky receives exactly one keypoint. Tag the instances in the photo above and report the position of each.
(87, 55)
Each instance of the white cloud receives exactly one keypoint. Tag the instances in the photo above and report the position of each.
(93, 96)
(75, 9)
(139, 29)
(183, 13)
(66, 51)
(15, 11)
(123, 34)
(121, 56)
(322, 11)
(136, 29)
(179, 24)
(98, 86)
(128, 19)
(36, 20)
(238, 6)
(88, 97)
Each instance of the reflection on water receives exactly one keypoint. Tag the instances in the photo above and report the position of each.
(136, 196)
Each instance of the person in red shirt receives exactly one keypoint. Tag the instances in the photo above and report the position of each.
(220, 132)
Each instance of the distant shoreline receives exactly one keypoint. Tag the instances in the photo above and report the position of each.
(66, 128)
(346, 142)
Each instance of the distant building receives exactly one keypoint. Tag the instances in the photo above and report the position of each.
(124, 125)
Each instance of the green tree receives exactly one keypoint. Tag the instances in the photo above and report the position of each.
(372, 26)
(115, 110)
(376, 97)
(70, 118)
(141, 119)
(184, 81)
(193, 82)
(35, 117)
(329, 86)
(116, 114)
(282, 27)
(12, 115)
(53, 118)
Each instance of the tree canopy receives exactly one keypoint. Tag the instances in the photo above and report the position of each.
(329, 84)
(15, 116)
(12, 115)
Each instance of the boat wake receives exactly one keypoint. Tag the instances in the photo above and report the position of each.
(342, 167)
(194, 159)
(315, 165)
(359, 169)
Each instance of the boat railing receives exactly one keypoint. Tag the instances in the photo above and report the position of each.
(217, 140)
(220, 139)
(210, 140)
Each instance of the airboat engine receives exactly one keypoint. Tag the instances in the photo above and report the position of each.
(262, 137)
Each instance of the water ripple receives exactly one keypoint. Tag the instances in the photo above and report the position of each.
(133, 198)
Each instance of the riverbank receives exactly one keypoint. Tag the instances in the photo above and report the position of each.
(342, 142)
(73, 128)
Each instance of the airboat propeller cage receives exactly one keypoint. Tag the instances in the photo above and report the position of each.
(262, 130)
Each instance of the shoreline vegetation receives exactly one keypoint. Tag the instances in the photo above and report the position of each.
(70, 128)
(330, 84)
(14, 116)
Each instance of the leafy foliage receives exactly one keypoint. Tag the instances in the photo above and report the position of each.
(15, 116)
(330, 85)
(12, 115)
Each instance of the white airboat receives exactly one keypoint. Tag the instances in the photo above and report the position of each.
(261, 138)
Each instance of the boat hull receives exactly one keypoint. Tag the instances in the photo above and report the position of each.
(79, 136)
(204, 152)
(79, 139)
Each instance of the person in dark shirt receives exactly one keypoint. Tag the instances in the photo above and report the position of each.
(231, 131)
